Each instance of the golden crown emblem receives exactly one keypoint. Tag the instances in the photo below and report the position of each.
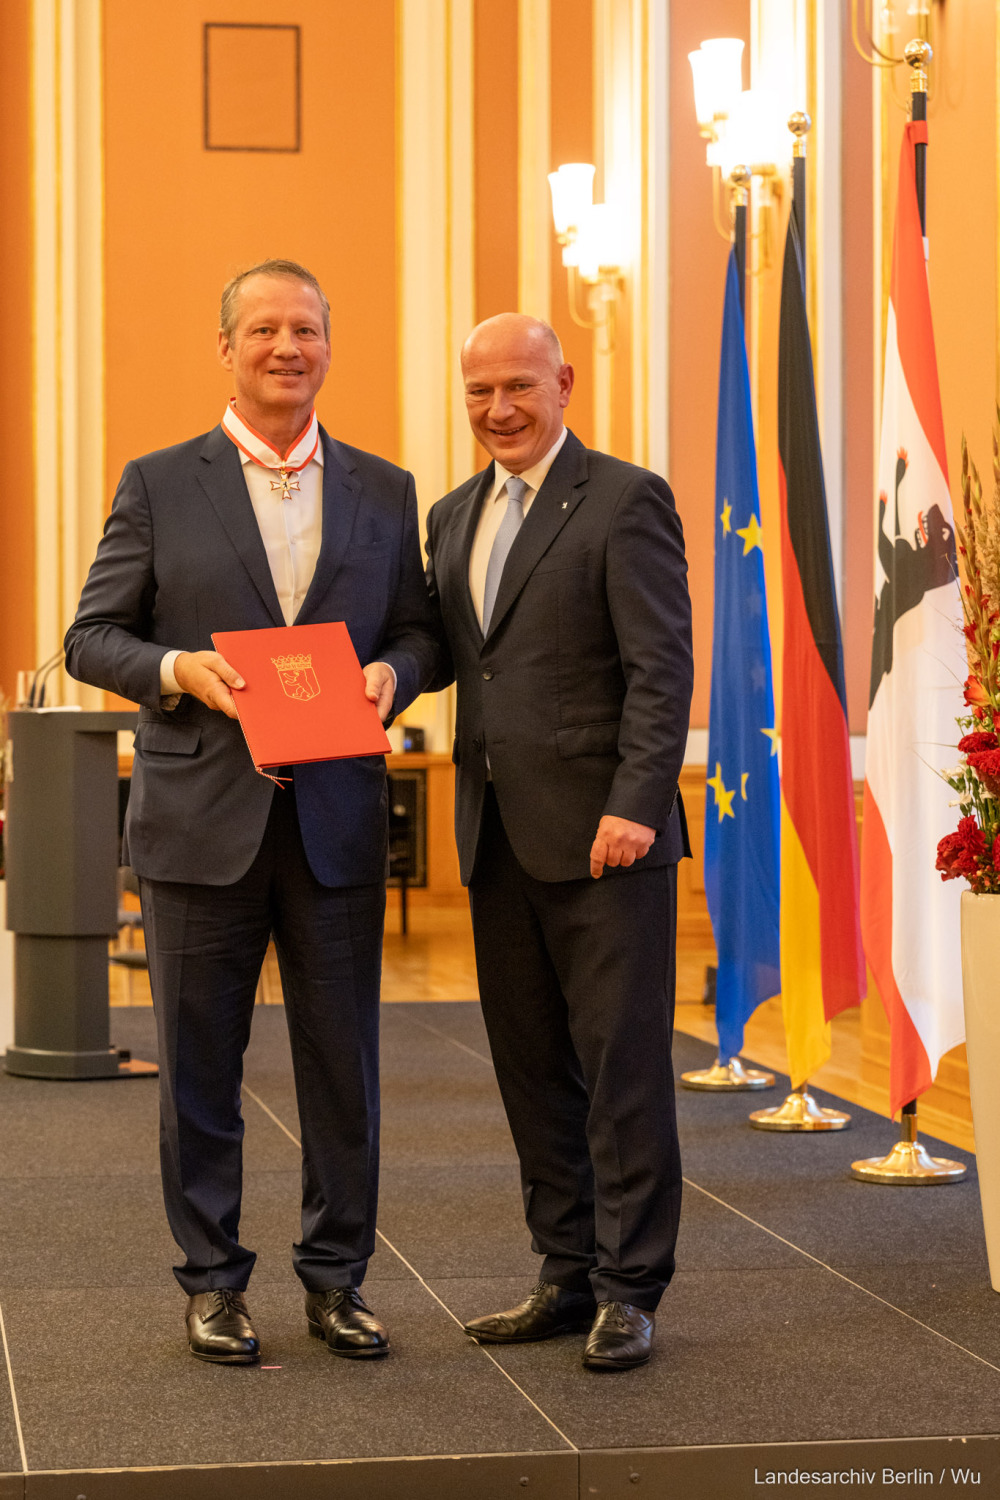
(292, 663)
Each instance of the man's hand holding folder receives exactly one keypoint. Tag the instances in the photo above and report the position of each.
(300, 693)
(207, 676)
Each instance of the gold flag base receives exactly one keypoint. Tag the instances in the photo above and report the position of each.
(732, 1076)
(799, 1112)
(909, 1164)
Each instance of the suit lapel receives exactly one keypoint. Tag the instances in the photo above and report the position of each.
(562, 491)
(341, 498)
(221, 477)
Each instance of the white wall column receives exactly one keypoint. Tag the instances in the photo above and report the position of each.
(68, 313)
(435, 255)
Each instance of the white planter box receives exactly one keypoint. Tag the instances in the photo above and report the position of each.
(981, 992)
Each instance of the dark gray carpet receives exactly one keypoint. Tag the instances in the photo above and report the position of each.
(756, 1341)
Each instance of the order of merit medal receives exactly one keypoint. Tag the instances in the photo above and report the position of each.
(304, 697)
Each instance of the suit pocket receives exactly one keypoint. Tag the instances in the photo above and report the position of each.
(558, 561)
(170, 739)
(588, 739)
(367, 551)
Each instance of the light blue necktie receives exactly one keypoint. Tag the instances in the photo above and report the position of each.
(502, 543)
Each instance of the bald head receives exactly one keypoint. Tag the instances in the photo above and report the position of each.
(517, 385)
(509, 332)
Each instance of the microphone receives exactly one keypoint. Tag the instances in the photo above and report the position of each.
(45, 677)
(46, 667)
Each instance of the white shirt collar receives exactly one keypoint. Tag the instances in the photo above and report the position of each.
(534, 477)
(317, 457)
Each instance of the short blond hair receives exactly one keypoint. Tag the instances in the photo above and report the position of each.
(290, 269)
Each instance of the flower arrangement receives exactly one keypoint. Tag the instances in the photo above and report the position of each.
(972, 852)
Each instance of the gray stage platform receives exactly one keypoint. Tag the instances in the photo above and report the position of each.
(815, 1323)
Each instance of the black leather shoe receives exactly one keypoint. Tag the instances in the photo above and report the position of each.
(219, 1328)
(350, 1328)
(621, 1338)
(547, 1310)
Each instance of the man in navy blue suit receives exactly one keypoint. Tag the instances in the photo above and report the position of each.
(265, 520)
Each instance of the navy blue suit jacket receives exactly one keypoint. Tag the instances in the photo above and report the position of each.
(181, 557)
(580, 691)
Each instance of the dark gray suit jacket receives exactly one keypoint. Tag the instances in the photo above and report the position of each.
(581, 690)
(181, 557)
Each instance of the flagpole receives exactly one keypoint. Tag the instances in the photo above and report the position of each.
(739, 188)
(733, 1076)
(799, 1110)
(909, 1162)
(800, 125)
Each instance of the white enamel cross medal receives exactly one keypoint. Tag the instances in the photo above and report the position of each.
(285, 482)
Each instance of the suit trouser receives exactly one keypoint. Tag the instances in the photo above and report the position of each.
(576, 980)
(206, 945)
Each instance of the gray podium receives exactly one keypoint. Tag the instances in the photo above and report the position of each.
(62, 895)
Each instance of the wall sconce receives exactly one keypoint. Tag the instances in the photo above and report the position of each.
(746, 136)
(717, 68)
(592, 250)
(920, 11)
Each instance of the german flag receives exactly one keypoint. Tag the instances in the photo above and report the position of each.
(822, 965)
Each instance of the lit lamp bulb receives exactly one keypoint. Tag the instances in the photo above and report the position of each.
(717, 70)
(572, 188)
(755, 134)
(599, 243)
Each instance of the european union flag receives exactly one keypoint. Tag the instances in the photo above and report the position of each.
(742, 861)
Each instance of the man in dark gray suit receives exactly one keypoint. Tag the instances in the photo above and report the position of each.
(263, 521)
(560, 578)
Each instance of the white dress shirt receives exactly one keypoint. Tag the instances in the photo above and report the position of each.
(494, 506)
(291, 531)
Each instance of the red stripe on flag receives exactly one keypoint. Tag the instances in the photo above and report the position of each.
(818, 787)
(912, 303)
(909, 1065)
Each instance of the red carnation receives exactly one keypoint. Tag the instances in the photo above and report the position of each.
(986, 765)
(980, 739)
(959, 853)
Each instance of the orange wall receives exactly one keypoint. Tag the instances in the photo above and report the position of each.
(962, 227)
(697, 271)
(181, 219)
(495, 47)
(495, 166)
(17, 546)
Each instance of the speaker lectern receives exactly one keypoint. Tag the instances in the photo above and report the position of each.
(62, 897)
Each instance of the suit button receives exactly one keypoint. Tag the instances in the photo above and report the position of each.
(488, 675)
(477, 745)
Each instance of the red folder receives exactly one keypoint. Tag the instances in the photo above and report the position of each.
(305, 694)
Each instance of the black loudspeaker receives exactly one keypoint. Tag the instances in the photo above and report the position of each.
(408, 826)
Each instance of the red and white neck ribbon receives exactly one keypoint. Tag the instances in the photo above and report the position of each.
(257, 448)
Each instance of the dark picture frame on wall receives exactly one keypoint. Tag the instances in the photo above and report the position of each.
(220, 82)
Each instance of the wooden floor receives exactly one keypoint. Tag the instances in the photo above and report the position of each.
(436, 961)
